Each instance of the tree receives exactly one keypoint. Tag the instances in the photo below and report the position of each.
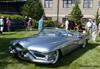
(33, 8)
(76, 14)
(97, 16)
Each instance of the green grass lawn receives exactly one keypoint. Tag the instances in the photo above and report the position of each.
(87, 58)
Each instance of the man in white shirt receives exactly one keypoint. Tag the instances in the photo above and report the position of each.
(66, 24)
(1, 25)
(99, 29)
(88, 26)
(94, 31)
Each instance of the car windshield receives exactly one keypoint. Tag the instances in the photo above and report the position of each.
(55, 32)
(50, 32)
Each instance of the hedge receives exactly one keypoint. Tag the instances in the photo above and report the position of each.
(13, 16)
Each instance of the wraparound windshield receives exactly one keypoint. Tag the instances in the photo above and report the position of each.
(55, 32)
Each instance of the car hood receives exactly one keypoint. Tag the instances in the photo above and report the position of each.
(42, 43)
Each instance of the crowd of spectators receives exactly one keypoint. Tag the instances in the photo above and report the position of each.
(5, 22)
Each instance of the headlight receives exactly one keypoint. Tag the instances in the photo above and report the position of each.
(18, 47)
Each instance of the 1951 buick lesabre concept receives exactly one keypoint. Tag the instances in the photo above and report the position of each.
(47, 46)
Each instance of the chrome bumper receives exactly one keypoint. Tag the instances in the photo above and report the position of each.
(33, 59)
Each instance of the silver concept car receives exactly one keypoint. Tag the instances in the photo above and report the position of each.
(48, 46)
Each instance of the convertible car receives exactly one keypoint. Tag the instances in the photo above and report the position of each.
(48, 46)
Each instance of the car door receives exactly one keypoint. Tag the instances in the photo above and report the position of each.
(69, 45)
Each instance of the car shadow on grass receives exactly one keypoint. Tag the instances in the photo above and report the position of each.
(69, 58)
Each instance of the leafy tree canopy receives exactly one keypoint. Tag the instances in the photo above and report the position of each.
(33, 8)
(76, 14)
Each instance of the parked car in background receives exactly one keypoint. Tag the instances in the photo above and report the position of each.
(48, 46)
(15, 25)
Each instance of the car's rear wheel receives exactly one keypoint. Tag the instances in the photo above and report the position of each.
(56, 57)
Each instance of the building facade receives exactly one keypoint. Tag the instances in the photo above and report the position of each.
(59, 9)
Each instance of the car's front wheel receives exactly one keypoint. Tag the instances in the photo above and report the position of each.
(20, 55)
(56, 57)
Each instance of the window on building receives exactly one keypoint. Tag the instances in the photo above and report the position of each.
(87, 3)
(48, 3)
(99, 3)
(67, 3)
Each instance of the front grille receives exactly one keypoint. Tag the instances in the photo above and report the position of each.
(37, 55)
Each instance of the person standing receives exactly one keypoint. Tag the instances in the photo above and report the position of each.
(41, 24)
(29, 24)
(88, 26)
(94, 31)
(71, 25)
(25, 20)
(8, 24)
(99, 29)
(66, 24)
(1, 24)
